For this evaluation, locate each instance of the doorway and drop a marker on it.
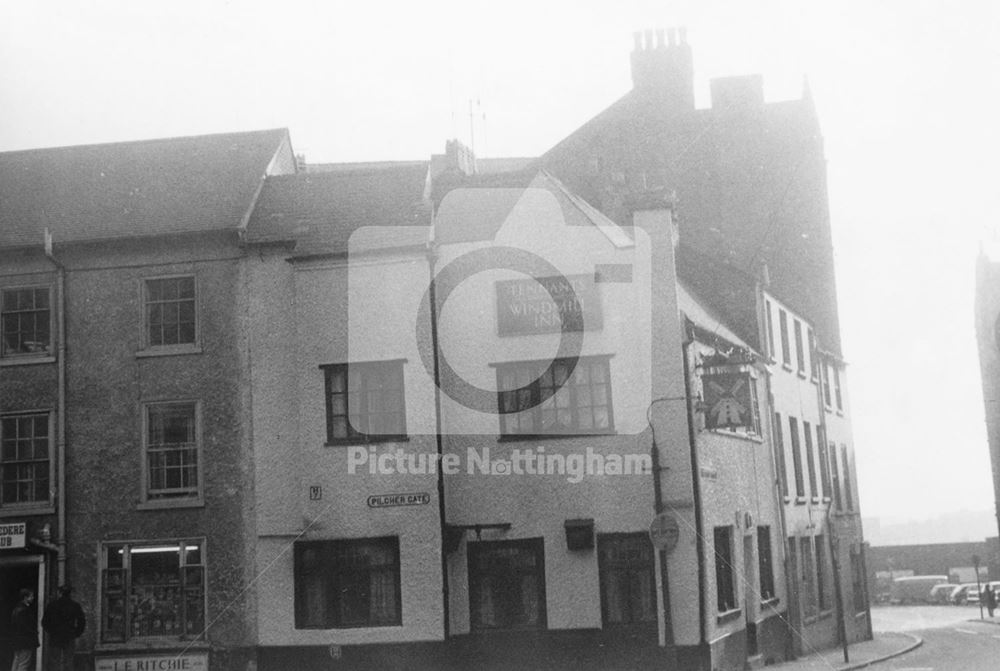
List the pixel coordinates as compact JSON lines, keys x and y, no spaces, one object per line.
{"x":17,"y":573}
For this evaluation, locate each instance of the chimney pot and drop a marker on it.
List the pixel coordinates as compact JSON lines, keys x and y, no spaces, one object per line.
{"x":683,"y":32}
{"x":637,"y":36}
{"x":672,"y":36}
{"x":649,"y":39}
{"x":659,"y":39}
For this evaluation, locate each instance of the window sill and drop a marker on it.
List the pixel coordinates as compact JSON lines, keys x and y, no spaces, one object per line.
{"x":840,"y":413}
{"x":728,"y":616}
{"x":860,"y":615}
{"x":787,"y":366}
{"x":21,"y":509}
{"x":815,"y":499}
{"x":787,"y":498}
{"x":802,"y":374}
{"x":513,"y":438}
{"x":800,"y":500}
{"x":170,"y":350}
{"x":171,"y":504}
{"x":752,"y":437}
{"x":770,"y":603}
{"x":27,"y":360}
{"x":371,"y":441}
{"x":154,"y":643}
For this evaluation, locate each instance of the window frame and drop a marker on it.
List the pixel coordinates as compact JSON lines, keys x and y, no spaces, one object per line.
{"x":604,"y":568}
{"x":769,"y":321}
{"x":179,"y":501}
{"x":539,"y":367}
{"x":47,"y":502}
{"x":838,"y":396}
{"x":800,"y":482}
{"x":800,"y":353}
{"x":822,"y":577}
{"x":50,"y":347}
{"x":475,"y":548}
{"x":355,"y":437}
{"x":807,"y":576}
{"x":765,"y":564}
{"x":181,"y":348}
{"x":725,"y":576}
{"x":786,"y":353}
{"x":779,"y":448}
{"x":810,"y":460}
{"x":847,"y":479}
{"x":104,"y":573}
{"x":335,"y":577}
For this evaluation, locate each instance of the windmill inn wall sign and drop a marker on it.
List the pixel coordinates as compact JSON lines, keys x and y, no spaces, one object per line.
{"x":542,"y":304}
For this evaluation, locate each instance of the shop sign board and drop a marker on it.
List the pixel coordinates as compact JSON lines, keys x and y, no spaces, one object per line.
{"x":187,"y":661}
{"x":12,"y":535}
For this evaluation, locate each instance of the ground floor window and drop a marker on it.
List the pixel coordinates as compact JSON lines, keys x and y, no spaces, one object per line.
{"x":822,"y":579}
{"x":628,"y":594}
{"x":765,"y":563}
{"x":725,"y":584}
{"x":858,"y":582}
{"x":153,"y":589}
{"x":347,"y":583}
{"x":507,"y":584}
{"x":807,"y":579}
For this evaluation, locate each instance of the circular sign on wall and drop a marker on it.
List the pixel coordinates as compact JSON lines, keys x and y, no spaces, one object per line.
{"x":664,"y":532}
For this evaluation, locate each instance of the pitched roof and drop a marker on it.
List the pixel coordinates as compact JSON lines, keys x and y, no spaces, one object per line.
{"x":150,"y":187}
{"x":750,"y":183}
{"x":320,"y":211}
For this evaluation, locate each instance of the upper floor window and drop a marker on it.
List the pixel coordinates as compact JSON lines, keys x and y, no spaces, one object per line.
{"x":25,"y":458}
{"x":836,"y":388}
{"x":793,"y":429}
{"x":800,"y":352}
{"x":153,"y":589}
{"x":813,"y":358}
{"x":826,"y":384}
{"x":786,"y":350}
{"x":365,"y":402}
{"x":810,"y":458}
{"x":848,"y":486}
{"x":770,"y":329}
{"x":170,"y":311}
{"x":347,"y":583}
{"x":779,"y":448}
{"x":541,"y":399}
{"x":25,"y":321}
{"x":172,"y":451}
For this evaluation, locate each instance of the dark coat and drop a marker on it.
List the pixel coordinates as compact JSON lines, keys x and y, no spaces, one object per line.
{"x":23,"y":630}
{"x":64,"y":621}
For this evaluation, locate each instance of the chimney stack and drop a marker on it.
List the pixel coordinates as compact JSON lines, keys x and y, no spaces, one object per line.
{"x":664,"y":68}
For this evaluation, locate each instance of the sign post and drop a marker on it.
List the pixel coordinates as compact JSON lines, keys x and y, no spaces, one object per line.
{"x":979,"y":589}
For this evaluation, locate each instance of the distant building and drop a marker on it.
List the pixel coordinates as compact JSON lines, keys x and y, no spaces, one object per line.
{"x":988,"y":338}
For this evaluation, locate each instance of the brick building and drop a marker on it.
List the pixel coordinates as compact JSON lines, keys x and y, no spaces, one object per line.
{"x":123,"y":418}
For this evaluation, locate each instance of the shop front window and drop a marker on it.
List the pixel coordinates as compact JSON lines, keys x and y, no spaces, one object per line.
{"x":153,"y":590}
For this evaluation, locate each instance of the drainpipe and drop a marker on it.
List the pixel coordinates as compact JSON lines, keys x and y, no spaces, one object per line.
{"x":60,"y":412}
{"x":442,"y":520}
{"x":696,"y":487}
{"x":668,"y":626}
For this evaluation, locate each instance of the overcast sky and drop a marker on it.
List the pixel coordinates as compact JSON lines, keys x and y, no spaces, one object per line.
{"x":907,"y":94}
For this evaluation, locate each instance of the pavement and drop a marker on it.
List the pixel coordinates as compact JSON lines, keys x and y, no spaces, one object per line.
{"x":884,"y":645}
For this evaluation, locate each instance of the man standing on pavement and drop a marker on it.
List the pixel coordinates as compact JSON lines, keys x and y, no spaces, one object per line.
{"x":989,"y":598}
{"x":64,"y":622}
{"x":23,"y":631}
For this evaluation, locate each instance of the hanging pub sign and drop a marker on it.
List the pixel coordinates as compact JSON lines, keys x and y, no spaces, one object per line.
{"x":548,"y":305}
{"x":728,"y":400}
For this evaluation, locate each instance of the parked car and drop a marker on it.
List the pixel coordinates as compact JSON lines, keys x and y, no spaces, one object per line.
{"x":942,"y":593}
{"x":915,"y":589}
{"x":965,"y":593}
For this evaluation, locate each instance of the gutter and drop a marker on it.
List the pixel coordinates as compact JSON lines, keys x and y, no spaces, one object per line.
{"x":60,"y":413}
{"x":696,"y":487}
{"x":439,"y":439}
